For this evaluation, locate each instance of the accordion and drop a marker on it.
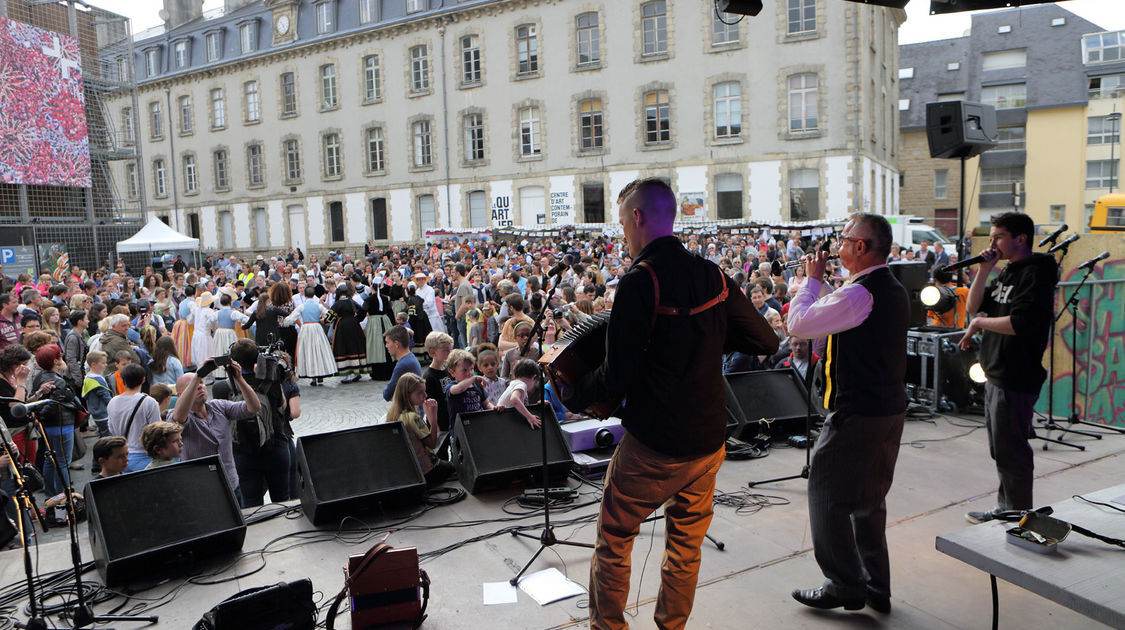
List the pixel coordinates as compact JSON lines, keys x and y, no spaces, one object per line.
{"x":578,"y":352}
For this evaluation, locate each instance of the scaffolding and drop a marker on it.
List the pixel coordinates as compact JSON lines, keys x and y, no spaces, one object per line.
{"x":85,"y":222}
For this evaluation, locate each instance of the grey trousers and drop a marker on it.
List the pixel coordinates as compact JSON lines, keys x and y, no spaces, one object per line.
{"x":853,"y":465}
{"x":1007,"y":415}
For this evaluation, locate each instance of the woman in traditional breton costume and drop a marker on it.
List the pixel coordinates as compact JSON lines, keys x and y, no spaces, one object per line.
{"x":203,"y":321}
{"x":349,"y":344}
{"x":377,"y":305}
{"x":183,"y":329}
{"x":314,"y":359}
{"x":226,"y":321}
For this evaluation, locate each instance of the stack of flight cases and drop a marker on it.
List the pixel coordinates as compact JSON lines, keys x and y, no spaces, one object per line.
{"x":937,"y":370}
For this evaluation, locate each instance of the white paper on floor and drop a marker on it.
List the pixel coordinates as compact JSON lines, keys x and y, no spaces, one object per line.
{"x":550,"y":585}
{"x":499,"y":593}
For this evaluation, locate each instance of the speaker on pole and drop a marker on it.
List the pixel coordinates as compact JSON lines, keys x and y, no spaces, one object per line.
{"x":957,"y":129}
{"x":355,"y":471}
{"x":163,"y":520}
{"x":495,"y":449}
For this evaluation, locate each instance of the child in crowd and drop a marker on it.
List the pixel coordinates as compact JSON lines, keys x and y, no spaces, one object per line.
{"x":409,"y":399}
{"x":438,"y":345}
{"x":404,"y":319}
{"x":466,"y":390}
{"x":162,"y":393}
{"x":488,"y":364}
{"x":476,"y":330}
{"x":523,"y":380}
{"x":120,"y":360}
{"x":164,"y":443}
{"x":111,"y":455}
{"x":95,"y":391}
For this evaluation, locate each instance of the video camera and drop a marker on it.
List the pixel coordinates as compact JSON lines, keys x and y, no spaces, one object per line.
{"x":272,"y":366}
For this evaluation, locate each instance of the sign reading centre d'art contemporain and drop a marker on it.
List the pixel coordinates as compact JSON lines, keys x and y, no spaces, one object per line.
{"x":43,"y":137}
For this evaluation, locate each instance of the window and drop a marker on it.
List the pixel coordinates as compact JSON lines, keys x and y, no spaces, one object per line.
{"x":1106,"y":86}
{"x":254,"y":171}
{"x":336,"y":220}
{"x":253,"y":102}
{"x":1011,"y":138}
{"x":802,"y":16}
{"x":941,"y":183}
{"x":152,"y":61}
{"x":332,"y":155}
{"x":423,"y":144}
{"x":590,"y":130}
{"x":414,"y":6}
{"x":724,"y":30}
{"x":474,"y":137}
{"x":906,"y":73}
{"x":222,"y":173}
{"x":131,"y":181}
{"x":379,"y":231}
{"x":1004,"y":29}
{"x":478,"y":209}
{"x":658,"y":122}
{"x":368,"y":11}
{"x":375,"y":156}
{"x":1058,"y":212}
{"x":589,"y":46}
{"x":122,"y":70}
{"x":654,"y":28}
{"x":593,"y":202}
{"x":214,"y":46}
{"x":470,"y":60}
{"x":261,"y":228}
{"x":950,"y":96}
{"x":372,"y":84}
{"x":292,"y":160}
{"x":427,"y":218}
{"x":419,"y":69}
{"x":288,"y":94}
{"x":728,"y":110}
{"x":248,"y":37}
{"x":529,"y":131}
{"x":191,"y":182}
{"x":185,"y":115}
{"x":527,"y":48}
{"x":1103,"y":129}
{"x":193,"y":224}
{"x":728,"y":194}
{"x":1000,"y":179}
{"x":325,"y":17}
{"x":180,"y":53}
{"x":128,"y":131}
{"x":1059,"y":21}
{"x":1003,"y":59}
{"x":155,"y":119}
{"x":903,"y":104}
{"x":160,"y":186}
{"x":1004,"y":96}
{"x":218,"y":109}
{"x":804,"y":194}
{"x":1101,"y":174}
{"x":1102,"y":47}
{"x":953,"y":66}
{"x":328,"y":86}
{"x":802,"y":102}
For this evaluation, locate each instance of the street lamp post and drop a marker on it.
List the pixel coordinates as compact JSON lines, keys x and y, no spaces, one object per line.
{"x":1113,"y":119}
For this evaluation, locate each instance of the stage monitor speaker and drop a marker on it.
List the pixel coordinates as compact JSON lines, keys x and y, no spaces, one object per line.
{"x":774,"y":401}
{"x":913,"y":277}
{"x":736,"y":417}
{"x":161,"y":521}
{"x":356,"y":471}
{"x":957,"y":129}
{"x":496,"y":449}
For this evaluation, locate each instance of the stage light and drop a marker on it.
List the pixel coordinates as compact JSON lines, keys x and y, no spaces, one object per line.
{"x":976,"y":373}
{"x":739,"y":7}
{"x":938,"y":299}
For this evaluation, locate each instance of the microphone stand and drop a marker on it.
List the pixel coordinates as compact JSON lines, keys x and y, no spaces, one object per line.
{"x":25,"y":507}
{"x":83,"y":613}
{"x":1074,"y":418}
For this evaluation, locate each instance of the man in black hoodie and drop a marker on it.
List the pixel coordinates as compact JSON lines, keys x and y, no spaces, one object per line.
{"x":1013,"y":313}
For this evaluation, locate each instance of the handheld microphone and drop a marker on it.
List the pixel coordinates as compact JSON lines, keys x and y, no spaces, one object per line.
{"x":21,"y":410}
{"x":968,"y":262}
{"x":1089,"y":264}
{"x":1065,"y":244}
{"x":1053,"y":236}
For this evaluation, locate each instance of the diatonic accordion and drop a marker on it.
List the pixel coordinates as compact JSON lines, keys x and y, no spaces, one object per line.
{"x":578,"y":352}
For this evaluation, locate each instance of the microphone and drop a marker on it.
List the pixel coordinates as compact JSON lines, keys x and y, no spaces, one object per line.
{"x":1053,"y":236}
{"x":968,"y":262}
{"x":21,"y":410}
{"x":1065,"y":244}
{"x":1089,"y":264}
{"x":562,"y":266}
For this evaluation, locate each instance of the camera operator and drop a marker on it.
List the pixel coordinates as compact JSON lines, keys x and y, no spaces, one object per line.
{"x":262,"y":452}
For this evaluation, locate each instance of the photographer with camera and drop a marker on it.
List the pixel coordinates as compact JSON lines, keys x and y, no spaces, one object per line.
{"x":209,"y":424}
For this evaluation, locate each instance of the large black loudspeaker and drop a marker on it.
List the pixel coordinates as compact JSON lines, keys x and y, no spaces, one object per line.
{"x":496,"y":449}
{"x":345,"y":473}
{"x":956,"y":129}
{"x":913,"y":277}
{"x":161,"y":521}
{"x":774,"y":401}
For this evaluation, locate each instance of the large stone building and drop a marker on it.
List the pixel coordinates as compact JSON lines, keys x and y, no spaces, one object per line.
{"x":1053,"y":77}
{"x":328,"y":123}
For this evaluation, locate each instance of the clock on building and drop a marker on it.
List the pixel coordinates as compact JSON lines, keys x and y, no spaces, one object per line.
{"x":282,"y":25}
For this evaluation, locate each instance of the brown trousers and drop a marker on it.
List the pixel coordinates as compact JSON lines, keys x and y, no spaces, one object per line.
{"x":639,"y":480}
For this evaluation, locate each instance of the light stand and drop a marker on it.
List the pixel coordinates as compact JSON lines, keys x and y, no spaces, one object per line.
{"x":804,"y":474}
{"x":1073,"y":304}
{"x":25,"y":508}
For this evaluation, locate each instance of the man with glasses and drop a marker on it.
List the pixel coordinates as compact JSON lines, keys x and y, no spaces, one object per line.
{"x":853,"y":461}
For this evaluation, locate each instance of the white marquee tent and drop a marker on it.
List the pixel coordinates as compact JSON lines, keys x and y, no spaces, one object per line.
{"x":157,"y":236}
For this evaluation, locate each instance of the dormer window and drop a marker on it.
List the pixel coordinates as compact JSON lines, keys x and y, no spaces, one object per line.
{"x":181,"y":53}
{"x":214,"y":41}
{"x":248,"y":36}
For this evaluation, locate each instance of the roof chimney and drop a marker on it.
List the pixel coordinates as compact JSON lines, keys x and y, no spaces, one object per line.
{"x":178,"y":12}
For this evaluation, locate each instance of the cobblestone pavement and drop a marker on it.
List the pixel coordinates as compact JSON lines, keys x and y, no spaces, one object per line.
{"x":333,"y":406}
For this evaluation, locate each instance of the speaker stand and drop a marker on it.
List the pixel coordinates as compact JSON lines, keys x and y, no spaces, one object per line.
{"x":804,"y":474}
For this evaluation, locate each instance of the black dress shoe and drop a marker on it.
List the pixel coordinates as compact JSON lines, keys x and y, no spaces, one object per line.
{"x":879,"y":603}
{"x":818,"y":598}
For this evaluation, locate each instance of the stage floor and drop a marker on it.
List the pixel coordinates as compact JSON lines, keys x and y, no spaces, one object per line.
{"x":943,"y":471}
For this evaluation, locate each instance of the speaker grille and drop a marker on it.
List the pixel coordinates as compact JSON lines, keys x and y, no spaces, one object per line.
{"x":353,"y":463}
